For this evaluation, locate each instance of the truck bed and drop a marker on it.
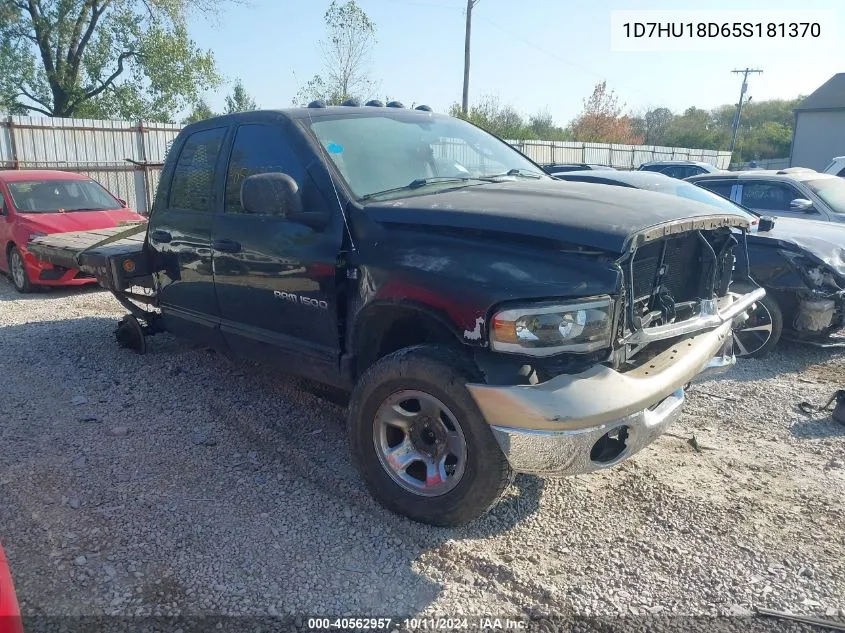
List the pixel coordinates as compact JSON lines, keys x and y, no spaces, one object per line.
{"x":103,"y":253}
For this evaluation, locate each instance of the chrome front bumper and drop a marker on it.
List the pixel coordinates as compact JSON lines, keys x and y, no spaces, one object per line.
{"x":552,"y":428}
{"x":564,"y":453}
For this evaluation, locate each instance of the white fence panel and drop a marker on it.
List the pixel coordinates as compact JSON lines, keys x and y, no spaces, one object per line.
{"x":157,"y":139}
{"x":613,"y":155}
{"x":641,"y":154}
{"x":122,"y":155}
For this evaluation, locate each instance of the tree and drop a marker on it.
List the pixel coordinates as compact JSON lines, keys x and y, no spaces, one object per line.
{"x":653,"y":125}
{"x":506,"y":122}
{"x":351,"y":36}
{"x":699,"y":129}
{"x":239,"y":100}
{"x":491,"y":115}
{"x":200,"y":112}
{"x":542,"y":124}
{"x":102,"y":58}
{"x":602,"y":119}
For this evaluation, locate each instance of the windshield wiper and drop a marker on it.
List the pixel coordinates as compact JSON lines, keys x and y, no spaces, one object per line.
{"x":82,"y":209}
{"x":525,"y":173}
{"x":420,"y":182}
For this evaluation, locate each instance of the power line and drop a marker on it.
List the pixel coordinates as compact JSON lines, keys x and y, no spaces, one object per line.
{"x":558,"y":57}
{"x":471,"y":4}
{"x":465,"y":98}
{"x":738,"y":115}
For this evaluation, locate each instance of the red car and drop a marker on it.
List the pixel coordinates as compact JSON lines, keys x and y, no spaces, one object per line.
{"x":38,"y":202}
{"x":10,"y":616}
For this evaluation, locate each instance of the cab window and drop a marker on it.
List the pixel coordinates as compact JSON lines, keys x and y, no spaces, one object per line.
{"x":193,"y":177}
{"x":258,"y":149}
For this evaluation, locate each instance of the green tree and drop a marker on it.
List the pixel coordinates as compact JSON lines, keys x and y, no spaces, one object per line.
{"x":502,"y":120}
{"x":770,"y":139}
{"x":766,"y":130}
{"x":699,"y":129}
{"x":200,"y":112}
{"x":124,"y":59}
{"x":347,"y":50}
{"x":239,"y":100}
{"x":653,"y":126}
{"x":506,"y":122}
{"x":543,"y":126}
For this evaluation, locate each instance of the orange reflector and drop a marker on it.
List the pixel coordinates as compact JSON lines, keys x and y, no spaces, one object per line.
{"x":504,"y":331}
{"x":128,"y":265}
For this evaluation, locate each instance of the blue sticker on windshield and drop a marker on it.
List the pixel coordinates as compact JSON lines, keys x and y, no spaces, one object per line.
{"x":334,"y":148}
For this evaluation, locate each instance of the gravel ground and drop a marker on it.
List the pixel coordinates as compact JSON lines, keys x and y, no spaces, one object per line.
{"x":182,"y":483}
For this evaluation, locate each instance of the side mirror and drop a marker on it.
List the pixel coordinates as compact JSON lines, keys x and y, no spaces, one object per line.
{"x":271,"y":194}
{"x":766,"y":224}
{"x":802,"y":205}
{"x":123,"y":203}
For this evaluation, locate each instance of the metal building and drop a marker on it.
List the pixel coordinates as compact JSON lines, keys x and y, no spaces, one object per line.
{"x":819,"y":132}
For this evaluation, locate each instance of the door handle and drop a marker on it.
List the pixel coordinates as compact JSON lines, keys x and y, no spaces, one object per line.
{"x":161,"y":236}
{"x":226,"y":246}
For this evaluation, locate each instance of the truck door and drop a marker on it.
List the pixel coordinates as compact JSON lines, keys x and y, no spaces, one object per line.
{"x":275,"y":277}
{"x":179,"y":236}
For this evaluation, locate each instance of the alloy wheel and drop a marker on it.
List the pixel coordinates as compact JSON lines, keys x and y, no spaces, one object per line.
{"x":17,"y":269}
{"x":419,"y":443}
{"x":755,"y":332}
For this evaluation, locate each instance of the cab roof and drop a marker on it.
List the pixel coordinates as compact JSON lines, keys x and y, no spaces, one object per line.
{"x":307,"y":114}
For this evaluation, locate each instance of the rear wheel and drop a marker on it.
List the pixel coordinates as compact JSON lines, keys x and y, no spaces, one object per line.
{"x":420,"y":442}
{"x":17,"y":271}
{"x":760,"y":333}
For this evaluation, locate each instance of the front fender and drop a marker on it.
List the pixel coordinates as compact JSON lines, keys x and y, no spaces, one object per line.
{"x":460,"y":280}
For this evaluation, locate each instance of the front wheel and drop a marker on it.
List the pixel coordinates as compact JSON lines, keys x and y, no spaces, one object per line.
{"x":420,"y":442}
{"x":759,"y":334}
{"x":17,"y":271}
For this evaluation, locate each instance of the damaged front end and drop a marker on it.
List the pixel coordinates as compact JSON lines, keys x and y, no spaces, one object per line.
{"x":672,"y":325}
{"x":815,"y":311}
{"x":677,"y":284}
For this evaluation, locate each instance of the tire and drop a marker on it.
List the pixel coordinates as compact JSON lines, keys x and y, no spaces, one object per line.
{"x":476,"y":475}
{"x":761,"y":332}
{"x":17,"y":271}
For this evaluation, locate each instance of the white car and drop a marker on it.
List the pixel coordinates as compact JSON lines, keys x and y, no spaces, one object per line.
{"x":836,"y":167}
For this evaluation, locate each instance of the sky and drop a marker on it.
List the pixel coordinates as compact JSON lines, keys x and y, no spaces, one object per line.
{"x":536,"y":55}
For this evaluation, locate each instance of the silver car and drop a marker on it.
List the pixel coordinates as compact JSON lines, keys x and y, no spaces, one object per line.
{"x":793,"y":192}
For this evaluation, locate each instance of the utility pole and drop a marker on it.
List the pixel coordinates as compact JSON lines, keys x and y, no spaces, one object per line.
{"x":465,"y":101}
{"x":739,"y":106}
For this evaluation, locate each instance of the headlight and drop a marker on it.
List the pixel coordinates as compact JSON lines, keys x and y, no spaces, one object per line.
{"x":545,"y":329}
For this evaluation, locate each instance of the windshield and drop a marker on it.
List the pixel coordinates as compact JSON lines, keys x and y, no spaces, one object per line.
{"x":401,"y":155}
{"x":51,"y":196}
{"x":831,"y":190}
{"x":692,"y":192}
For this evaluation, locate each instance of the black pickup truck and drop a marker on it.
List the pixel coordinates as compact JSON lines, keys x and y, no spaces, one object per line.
{"x":486,"y":318}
